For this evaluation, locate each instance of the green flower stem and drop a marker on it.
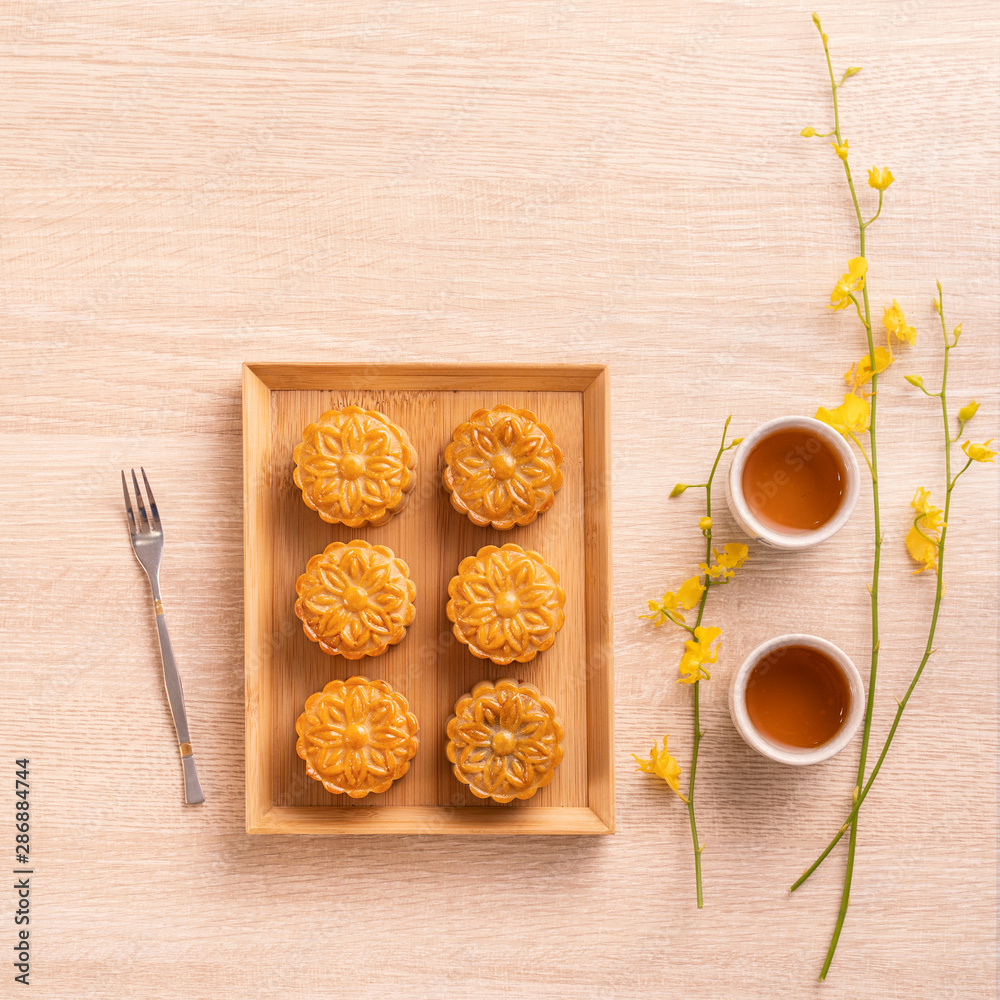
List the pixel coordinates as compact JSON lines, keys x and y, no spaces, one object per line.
{"x":864,"y":454}
{"x":878,"y":213}
{"x":960,"y":471}
{"x":857,"y":306}
{"x":697,"y":718}
{"x":920,"y":531}
{"x":691,"y":630}
{"x":690,"y":800}
{"x":873,"y":589}
{"x":939,"y":591}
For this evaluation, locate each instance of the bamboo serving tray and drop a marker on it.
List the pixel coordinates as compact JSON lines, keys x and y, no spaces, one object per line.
{"x":430,"y":667}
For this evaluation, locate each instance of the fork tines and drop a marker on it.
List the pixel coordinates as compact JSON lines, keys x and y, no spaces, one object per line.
{"x":146,"y":523}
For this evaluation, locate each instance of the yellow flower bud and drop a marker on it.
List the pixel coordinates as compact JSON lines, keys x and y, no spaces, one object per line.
{"x":678,"y":489}
{"x":880,"y":178}
{"x":968,"y":412}
{"x":808,"y":131}
{"x":840,"y":150}
{"x":917,"y":380}
{"x":705,"y":523}
{"x":957,"y":332}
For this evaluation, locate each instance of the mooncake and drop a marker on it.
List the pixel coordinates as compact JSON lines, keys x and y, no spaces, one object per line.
{"x":355,"y":599}
{"x":506,"y":604}
{"x":356,"y":736}
{"x":504,"y":740}
{"x":502,"y":467}
{"x":355,"y":467}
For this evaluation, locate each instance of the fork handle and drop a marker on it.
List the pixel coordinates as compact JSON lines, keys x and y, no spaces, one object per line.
{"x":192,"y":786}
{"x":175,"y":696}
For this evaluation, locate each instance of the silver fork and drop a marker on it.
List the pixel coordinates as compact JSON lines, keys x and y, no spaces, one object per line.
{"x":147,"y":544}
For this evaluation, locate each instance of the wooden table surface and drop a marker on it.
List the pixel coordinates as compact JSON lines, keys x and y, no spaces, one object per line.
{"x":189,"y":185}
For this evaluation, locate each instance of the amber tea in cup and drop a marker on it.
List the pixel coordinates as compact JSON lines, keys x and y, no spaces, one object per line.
{"x":793,"y":481}
{"x":797,"y":699}
{"x":798,"y":696}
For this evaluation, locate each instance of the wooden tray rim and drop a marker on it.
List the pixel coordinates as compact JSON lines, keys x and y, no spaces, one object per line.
{"x":262,"y":815}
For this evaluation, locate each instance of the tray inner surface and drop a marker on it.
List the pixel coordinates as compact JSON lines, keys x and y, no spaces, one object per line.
{"x":430,"y":667}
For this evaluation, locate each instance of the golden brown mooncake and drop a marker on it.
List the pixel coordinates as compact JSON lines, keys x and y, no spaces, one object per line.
{"x":506,"y":604}
{"x":502,"y":467}
{"x":355,"y":467}
{"x":504,"y":740}
{"x":356,"y":736}
{"x":355,"y":599}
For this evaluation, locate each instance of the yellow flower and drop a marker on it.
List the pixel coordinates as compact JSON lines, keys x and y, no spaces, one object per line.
{"x":861,"y":373}
{"x":840,"y":150}
{"x":979,"y":452}
{"x":664,"y":765}
{"x":922,"y":540}
{"x":690,"y":593}
{"x":921,"y":500}
{"x":852,"y":281}
{"x":968,"y":412}
{"x":922,"y":550}
{"x":697,"y":653}
{"x":671,"y":606}
{"x":932,"y":515}
{"x":895,"y":322}
{"x":880,"y":178}
{"x":852,"y":417}
{"x":724,"y":567}
{"x":705,"y":523}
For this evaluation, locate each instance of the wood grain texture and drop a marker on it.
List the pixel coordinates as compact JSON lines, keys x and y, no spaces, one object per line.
{"x":188,"y":186}
{"x":430,"y":667}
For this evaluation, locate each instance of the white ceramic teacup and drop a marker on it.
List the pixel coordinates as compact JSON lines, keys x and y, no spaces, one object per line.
{"x":792,"y":539}
{"x":780,"y":751}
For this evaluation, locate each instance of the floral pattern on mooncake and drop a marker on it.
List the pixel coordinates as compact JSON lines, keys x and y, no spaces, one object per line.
{"x":355,"y":467}
{"x":356,"y":736}
{"x":355,"y":599}
{"x":504,"y":740}
{"x":502,"y":467}
{"x":506,"y":604}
